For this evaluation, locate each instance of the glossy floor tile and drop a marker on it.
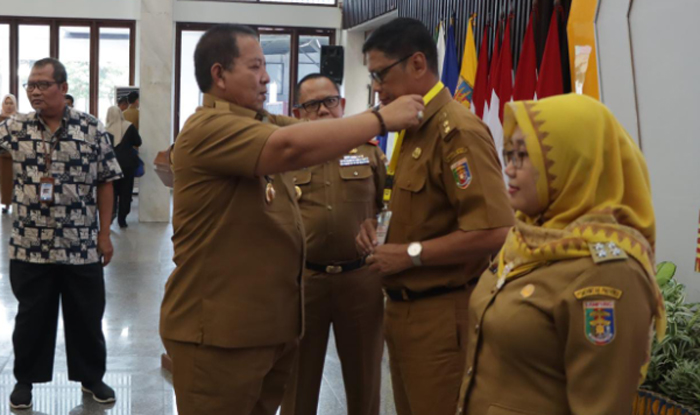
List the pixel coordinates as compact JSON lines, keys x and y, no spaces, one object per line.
{"x":134,"y":284}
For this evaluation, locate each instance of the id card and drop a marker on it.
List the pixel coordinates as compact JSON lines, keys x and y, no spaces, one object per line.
{"x":46,"y":188}
{"x":383,"y":220}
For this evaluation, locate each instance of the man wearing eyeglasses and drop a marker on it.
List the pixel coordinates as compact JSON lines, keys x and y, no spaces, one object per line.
{"x":334,"y":199}
{"x":64,"y":165}
{"x":450,"y":213}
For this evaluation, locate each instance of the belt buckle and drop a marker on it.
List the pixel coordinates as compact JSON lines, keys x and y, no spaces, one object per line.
{"x":334,"y":269}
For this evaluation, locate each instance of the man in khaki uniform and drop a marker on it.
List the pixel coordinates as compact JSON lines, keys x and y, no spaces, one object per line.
{"x":450,"y":214}
{"x":334,"y":199}
{"x":132,"y":113}
{"x":231,"y":315}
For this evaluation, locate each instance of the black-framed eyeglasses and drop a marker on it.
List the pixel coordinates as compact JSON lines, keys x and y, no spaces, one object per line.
{"x":514,"y":156}
{"x":378,"y":76}
{"x":315,"y":104}
{"x":42,"y":85}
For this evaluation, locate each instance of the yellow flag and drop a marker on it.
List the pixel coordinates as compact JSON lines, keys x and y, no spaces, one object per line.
{"x":467,"y":75}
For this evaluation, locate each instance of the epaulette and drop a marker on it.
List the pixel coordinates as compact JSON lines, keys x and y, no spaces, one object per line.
{"x":606,"y":251}
{"x":445,"y":127}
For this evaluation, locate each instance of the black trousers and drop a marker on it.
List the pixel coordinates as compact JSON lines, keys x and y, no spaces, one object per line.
{"x":123,"y":192}
{"x":81,"y":290}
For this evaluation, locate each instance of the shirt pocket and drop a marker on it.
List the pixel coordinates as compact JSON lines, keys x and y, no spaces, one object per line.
{"x":406,"y":203}
{"x":497,"y":409}
{"x":357,"y":183}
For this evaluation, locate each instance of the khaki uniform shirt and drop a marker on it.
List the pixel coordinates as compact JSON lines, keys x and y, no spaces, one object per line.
{"x":238,"y":258}
{"x":569,"y":338}
{"x":336,"y":199}
{"x":448,"y":178}
{"x":132,"y":115}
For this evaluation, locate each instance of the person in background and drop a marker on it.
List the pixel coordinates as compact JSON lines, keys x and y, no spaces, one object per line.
{"x":126,"y":142}
{"x":450,"y":214}
{"x":123,"y":103}
{"x":132,"y":113}
{"x":9,"y":109}
{"x":69,"y":100}
{"x":65,"y":165}
{"x":562,"y":318}
{"x":335,"y":198}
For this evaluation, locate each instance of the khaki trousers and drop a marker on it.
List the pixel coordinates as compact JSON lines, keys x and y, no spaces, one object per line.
{"x":213,"y":380}
{"x":426,"y":340}
{"x":353,"y":303}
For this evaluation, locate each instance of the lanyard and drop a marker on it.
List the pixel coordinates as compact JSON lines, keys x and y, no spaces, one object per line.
{"x":391,"y":171}
{"x":48,"y":152}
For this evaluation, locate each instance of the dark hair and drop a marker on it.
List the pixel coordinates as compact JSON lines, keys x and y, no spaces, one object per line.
{"x":297,"y":91}
{"x":403,"y":37}
{"x":218,"y":45}
{"x":70,"y":97}
{"x":133,"y":97}
{"x":122,"y":99}
{"x":59,"y":71}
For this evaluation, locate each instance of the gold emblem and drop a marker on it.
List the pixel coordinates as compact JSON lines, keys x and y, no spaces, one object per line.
{"x":527,"y":291}
{"x":297,"y":189}
{"x":353,"y":151}
{"x":417,"y":152}
{"x":269,"y":193}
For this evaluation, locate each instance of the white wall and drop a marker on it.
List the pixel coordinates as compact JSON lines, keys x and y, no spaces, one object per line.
{"x":614,"y":54}
{"x":82,"y":9}
{"x":665,"y":39}
{"x":257,"y":14}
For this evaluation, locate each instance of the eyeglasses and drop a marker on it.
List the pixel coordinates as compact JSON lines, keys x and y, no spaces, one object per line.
{"x":42,"y":85}
{"x":378,"y":76}
{"x":314,"y":105}
{"x":515,"y":157}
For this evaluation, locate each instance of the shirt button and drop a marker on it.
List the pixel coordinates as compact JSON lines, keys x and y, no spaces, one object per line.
{"x":470,"y":371}
{"x":356,"y":174}
{"x":329,"y":207}
{"x":476,"y":329}
{"x":328,"y":183}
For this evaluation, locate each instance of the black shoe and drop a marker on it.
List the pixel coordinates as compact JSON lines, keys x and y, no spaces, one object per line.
{"x":123,"y":224}
{"x":21,"y":397}
{"x":100,"y":392}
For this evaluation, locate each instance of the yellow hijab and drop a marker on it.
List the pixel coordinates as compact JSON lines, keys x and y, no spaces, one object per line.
{"x":593,"y":180}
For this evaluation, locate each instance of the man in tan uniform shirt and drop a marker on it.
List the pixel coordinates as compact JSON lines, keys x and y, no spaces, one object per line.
{"x":450,"y":213}
{"x":334,"y":199}
{"x":231,"y":315}
{"x":132,"y":113}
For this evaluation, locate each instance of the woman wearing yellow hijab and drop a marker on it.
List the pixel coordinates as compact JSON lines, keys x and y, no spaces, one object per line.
{"x":563,"y":319}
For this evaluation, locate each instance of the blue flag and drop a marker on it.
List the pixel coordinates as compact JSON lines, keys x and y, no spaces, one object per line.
{"x":450,"y":69}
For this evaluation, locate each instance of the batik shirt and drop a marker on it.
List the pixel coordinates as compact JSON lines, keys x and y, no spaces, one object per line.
{"x":65,"y":231}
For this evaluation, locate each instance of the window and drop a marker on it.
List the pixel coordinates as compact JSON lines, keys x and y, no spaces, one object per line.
{"x":310,"y":54}
{"x":4,"y":60}
{"x":98,"y":55}
{"x":277,"y":50}
{"x":190,"y":96}
{"x":74,"y":53}
{"x":114,"y":66}
{"x":34,"y":44}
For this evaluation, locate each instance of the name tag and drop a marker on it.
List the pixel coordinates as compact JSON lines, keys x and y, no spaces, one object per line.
{"x":46,"y":187}
{"x":354,"y":160}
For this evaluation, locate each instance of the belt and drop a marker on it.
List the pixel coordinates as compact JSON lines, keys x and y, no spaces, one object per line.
{"x":405,"y":295}
{"x":336,"y":268}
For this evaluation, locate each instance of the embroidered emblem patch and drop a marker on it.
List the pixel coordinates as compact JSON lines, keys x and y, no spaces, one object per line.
{"x":599,"y":324}
{"x":461,"y":173}
{"x":595,"y":291}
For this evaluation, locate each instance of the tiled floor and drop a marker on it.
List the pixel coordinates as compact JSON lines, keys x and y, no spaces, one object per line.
{"x":134,"y":281}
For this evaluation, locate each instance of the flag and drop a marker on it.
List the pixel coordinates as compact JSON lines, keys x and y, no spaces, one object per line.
{"x":494,"y":70}
{"x":550,"y":80}
{"x":482,"y":76}
{"x":526,"y":76}
{"x":492,"y":115}
{"x":505,"y":78}
{"x":450,"y":69}
{"x":467,"y":75}
{"x":441,"y":47}
{"x":563,"y":48}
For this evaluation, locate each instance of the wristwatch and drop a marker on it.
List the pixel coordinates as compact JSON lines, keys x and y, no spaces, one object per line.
{"x":414,"y":251}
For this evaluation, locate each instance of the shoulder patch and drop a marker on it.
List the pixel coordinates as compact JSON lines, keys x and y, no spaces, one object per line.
{"x":606,"y":252}
{"x":461,"y":173}
{"x":599,"y":321}
{"x":598,"y":291}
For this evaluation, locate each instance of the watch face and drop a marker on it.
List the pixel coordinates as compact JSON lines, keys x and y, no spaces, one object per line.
{"x":414,"y":249}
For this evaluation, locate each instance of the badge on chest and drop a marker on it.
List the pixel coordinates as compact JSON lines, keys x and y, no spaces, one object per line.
{"x":354,"y":160}
{"x":46,"y":190}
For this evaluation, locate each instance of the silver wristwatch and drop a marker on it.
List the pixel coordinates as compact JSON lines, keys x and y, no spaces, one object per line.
{"x":414,"y":251}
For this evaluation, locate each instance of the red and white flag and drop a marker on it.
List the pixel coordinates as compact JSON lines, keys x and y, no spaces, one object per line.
{"x":550,"y":80}
{"x":526,"y":76}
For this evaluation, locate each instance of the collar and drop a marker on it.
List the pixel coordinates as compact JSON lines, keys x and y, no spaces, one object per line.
{"x":439,"y":98}
{"x":210,"y":101}
{"x":64,"y":120}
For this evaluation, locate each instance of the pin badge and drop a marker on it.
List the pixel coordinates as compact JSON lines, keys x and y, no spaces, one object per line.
{"x":297,"y":189}
{"x":269,"y":193}
{"x":417,"y":153}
